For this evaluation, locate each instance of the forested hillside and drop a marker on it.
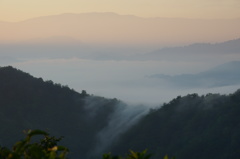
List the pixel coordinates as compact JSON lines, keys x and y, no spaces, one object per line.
{"x":31,"y":103}
{"x":192,"y":126}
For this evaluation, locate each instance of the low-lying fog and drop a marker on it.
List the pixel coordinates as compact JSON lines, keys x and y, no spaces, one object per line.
{"x":125,"y":80}
{"x":137,"y":79}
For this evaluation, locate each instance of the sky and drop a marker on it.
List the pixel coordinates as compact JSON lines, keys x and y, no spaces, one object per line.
{"x":17,"y":10}
{"x":98,"y":59}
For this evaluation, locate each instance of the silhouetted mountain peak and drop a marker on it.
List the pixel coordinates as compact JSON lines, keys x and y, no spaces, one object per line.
{"x":13,"y":73}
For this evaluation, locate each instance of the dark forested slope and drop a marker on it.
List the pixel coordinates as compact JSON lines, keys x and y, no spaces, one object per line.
{"x":31,"y":103}
{"x":192,"y":126}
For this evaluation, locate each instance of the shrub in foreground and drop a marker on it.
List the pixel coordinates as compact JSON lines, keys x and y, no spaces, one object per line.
{"x":47,"y":148}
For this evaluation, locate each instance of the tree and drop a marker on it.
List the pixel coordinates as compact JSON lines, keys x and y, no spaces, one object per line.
{"x":45,"y":148}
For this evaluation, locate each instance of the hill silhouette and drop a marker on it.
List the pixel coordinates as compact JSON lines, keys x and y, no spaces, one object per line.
{"x":31,"y":103}
{"x":191,"y":126}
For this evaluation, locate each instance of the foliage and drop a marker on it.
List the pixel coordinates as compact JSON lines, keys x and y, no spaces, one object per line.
{"x":130,"y":155}
{"x":133,"y":155}
{"x":46,"y":148}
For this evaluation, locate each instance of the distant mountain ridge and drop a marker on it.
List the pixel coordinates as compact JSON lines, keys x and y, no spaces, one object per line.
{"x":67,"y":47}
{"x":223,"y":75}
{"x":231,"y":46}
{"x":111,"y":28}
{"x":196,"y":51}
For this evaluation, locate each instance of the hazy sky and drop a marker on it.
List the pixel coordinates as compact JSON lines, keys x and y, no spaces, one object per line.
{"x":126,"y":80}
{"x":16,"y":10}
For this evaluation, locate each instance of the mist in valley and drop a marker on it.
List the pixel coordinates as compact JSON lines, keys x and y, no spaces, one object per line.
{"x":150,"y":77}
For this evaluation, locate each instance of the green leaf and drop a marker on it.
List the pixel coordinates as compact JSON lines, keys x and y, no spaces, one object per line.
{"x":165,"y":157}
{"x":36,"y":132}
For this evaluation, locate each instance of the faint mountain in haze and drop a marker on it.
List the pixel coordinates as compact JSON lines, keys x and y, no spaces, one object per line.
{"x":111,"y":28}
{"x":68,"y":47}
{"x":232,"y":46}
{"x":224,"y":75}
{"x":196,"y":51}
